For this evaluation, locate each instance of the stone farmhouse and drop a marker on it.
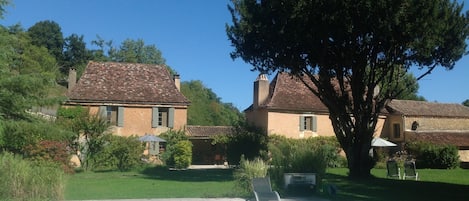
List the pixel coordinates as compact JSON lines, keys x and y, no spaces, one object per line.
{"x":136,"y":98}
{"x":438,"y":123}
{"x":139,"y":99}
{"x":287,"y":107}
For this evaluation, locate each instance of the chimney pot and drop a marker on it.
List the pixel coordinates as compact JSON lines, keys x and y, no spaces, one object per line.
{"x":177,"y":81}
{"x":72,"y":78}
{"x":261,"y":90}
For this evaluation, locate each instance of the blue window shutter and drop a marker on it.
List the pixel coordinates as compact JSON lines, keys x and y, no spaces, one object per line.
{"x":120,"y":116}
{"x":102,"y":112}
{"x":314,"y":124}
{"x":302,"y":123}
{"x":154,"y":117}
{"x":171,"y":117}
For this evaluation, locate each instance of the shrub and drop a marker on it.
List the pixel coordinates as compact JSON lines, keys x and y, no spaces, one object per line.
{"x":182,"y":154}
{"x":428,"y":155}
{"x":26,"y":180}
{"x":19,"y":134}
{"x":52,"y":151}
{"x":172,"y":138}
{"x":312,"y":155}
{"x":123,"y":153}
{"x":247,"y":171}
{"x":248,"y":141}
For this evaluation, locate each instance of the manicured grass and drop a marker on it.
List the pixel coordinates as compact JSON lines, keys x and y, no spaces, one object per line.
{"x":161,"y":183}
{"x":151,"y":183}
{"x":432,"y":185}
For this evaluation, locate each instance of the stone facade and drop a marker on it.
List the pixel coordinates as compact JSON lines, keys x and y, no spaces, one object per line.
{"x":139,"y":94}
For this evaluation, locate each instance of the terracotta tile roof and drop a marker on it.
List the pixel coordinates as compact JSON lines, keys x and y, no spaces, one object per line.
{"x":289,"y":93}
{"x":208,"y":131}
{"x":459,"y":139}
{"x":111,"y":82}
{"x":429,"y":109}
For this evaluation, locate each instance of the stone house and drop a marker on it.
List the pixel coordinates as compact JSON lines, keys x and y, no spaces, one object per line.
{"x":439,"y":123}
{"x":287,"y":107}
{"x":135,"y":98}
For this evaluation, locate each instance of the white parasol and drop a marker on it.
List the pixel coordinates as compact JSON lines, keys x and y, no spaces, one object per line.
{"x":380,"y":142}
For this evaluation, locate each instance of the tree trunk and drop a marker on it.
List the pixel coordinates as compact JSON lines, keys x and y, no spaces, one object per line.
{"x":355,"y":139}
{"x":359,"y":160}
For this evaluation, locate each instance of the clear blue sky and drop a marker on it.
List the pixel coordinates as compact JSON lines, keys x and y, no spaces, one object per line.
{"x":192,"y":38}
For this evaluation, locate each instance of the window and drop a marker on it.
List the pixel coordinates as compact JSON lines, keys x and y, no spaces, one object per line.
{"x":113,"y":114}
{"x":396,"y":130}
{"x":162,"y":117}
{"x":308,"y":123}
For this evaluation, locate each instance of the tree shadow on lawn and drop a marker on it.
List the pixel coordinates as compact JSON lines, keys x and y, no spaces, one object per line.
{"x":191,"y":175}
{"x":392,"y":189}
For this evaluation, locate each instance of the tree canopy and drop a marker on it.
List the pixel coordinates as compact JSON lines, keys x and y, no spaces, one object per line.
{"x":348,"y":50}
{"x":48,"y":34}
{"x":206,"y":109}
{"x":466,"y":103}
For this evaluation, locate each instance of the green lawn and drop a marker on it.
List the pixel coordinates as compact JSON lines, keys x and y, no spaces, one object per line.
{"x":432,"y":185}
{"x":161,"y":183}
{"x":151,"y":183}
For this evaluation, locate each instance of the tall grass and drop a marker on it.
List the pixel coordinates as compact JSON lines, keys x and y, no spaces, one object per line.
{"x":247,"y":171}
{"x":25,"y":180}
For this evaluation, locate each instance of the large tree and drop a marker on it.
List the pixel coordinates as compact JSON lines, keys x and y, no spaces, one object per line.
{"x":27,"y":75}
{"x":348,"y":50}
{"x":135,"y":51}
{"x":75,"y":53}
{"x":206,"y":108}
{"x":3,"y":4}
{"x":48,"y":34}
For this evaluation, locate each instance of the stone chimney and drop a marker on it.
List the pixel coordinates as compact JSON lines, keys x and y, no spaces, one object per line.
{"x":261,"y":90}
{"x":177,"y":81}
{"x":72,"y":78}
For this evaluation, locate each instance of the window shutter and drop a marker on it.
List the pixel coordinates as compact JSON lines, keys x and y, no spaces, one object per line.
{"x":171,"y":117}
{"x":314,"y":124}
{"x":302,"y":123}
{"x":120,"y":116}
{"x":102,"y":112}
{"x":154,"y":117}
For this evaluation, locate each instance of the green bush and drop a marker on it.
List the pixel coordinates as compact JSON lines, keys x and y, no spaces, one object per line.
{"x":182,"y":154}
{"x":428,"y":155}
{"x":312,"y":155}
{"x":51,"y":151}
{"x":19,"y":134}
{"x":123,"y":153}
{"x":172,"y":138}
{"x":247,"y":171}
{"x":247,"y":140}
{"x":26,"y":180}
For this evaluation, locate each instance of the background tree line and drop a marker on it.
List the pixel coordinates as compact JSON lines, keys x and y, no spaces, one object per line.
{"x":42,"y":48}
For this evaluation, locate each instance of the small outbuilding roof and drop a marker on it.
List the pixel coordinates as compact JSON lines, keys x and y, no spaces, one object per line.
{"x":208,"y":131}
{"x":459,"y":139}
{"x":428,"y":109}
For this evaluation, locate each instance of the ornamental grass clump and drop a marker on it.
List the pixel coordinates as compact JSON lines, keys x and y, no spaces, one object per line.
{"x":247,"y":171}
{"x":26,"y":180}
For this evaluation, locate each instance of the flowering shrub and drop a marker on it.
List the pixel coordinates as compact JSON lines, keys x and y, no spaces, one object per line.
{"x":50,"y":151}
